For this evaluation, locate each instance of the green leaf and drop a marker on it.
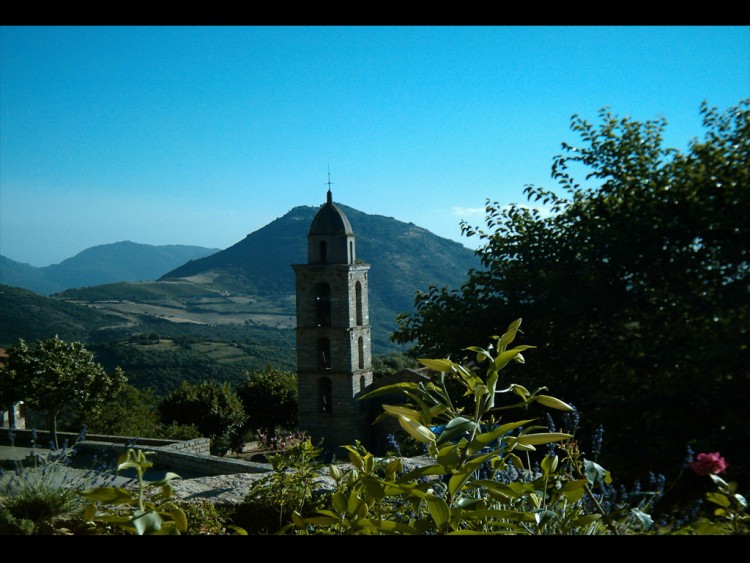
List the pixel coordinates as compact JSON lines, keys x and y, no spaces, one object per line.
{"x":417,"y":431}
{"x":374,"y":489}
{"x":397,"y":410}
{"x":509,"y":335}
{"x":385,"y":526}
{"x":549,"y":464}
{"x":574,"y":485}
{"x":320,"y":521}
{"x":458,"y":478}
{"x":438,"y":510}
{"x":482,"y":354}
{"x":437,"y":365}
{"x":473,"y":504}
{"x":586,"y":520}
{"x":147,"y":522}
{"x":542,"y":438}
{"x":425,"y":470}
{"x":354,"y":458}
{"x":487,"y":438}
{"x":455,"y":428}
{"x":504,"y":359}
{"x":107,"y":495}
{"x":553,"y":403}
{"x":740,"y":500}
{"x":180,"y":519}
{"x":543,"y":516}
{"x":340,"y":502}
{"x":644,"y":519}
{"x":719,"y":498}
{"x":595,"y":473}
{"x":389,"y":389}
{"x":448,"y":456}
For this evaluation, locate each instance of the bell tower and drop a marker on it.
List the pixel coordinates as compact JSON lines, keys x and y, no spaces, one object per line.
{"x":334,"y":362}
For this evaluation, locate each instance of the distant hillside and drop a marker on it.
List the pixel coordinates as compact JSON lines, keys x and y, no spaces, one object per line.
{"x":231,"y":310}
{"x":403,"y":258}
{"x":25,"y":314}
{"x":108,"y":263}
{"x":154,"y":352}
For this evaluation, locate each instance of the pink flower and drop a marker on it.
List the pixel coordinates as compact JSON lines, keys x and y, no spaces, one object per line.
{"x":709,"y":463}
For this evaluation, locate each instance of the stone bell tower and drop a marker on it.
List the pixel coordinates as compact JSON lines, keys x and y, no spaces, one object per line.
{"x":334,"y":364}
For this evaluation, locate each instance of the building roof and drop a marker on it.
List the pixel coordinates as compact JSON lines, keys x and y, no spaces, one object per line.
{"x":330,"y":220}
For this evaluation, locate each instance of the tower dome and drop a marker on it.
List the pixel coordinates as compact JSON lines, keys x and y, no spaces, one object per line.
{"x":330,"y":239}
{"x":330,"y":220}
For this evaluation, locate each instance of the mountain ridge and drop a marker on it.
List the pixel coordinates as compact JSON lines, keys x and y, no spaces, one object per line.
{"x":105,"y":263}
{"x":233,"y":309}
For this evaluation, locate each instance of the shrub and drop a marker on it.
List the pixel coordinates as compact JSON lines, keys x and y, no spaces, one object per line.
{"x":44,"y":488}
{"x":290,"y":488}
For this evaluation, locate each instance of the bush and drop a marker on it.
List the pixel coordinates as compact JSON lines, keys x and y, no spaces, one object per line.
{"x":43,"y":489}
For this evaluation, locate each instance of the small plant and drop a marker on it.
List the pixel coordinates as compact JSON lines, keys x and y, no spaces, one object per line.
{"x":728,"y":514}
{"x":44,"y":487}
{"x":271,"y":500}
{"x":137,"y":512}
{"x":206,"y":519}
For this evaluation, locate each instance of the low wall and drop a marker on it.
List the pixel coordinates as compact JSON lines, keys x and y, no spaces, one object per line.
{"x":189,"y":457}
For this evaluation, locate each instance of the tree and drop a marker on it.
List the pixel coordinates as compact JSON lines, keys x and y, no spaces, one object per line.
{"x":10,"y":393}
{"x":215,"y":408}
{"x":55,"y":374}
{"x":134,"y":412}
{"x":270,"y":398}
{"x":644,"y":265}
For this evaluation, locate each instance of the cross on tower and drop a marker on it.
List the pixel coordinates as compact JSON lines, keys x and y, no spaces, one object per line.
{"x":329,"y":179}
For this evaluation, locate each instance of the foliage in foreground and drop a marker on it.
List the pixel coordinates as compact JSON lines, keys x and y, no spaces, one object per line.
{"x":43,"y":489}
{"x":633,"y":274}
{"x":136,"y":512}
{"x":485,"y":474}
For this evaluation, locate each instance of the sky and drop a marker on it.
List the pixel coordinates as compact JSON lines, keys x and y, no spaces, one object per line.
{"x":201,"y":135}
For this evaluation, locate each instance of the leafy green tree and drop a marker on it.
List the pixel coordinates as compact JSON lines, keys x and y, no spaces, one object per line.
{"x":213,"y":407}
{"x":10,"y":392}
{"x":634,"y":282}
{"x":134,"y":412}
{"x":54,"y":374}
{"x":270,"y":398}
{"x":392,"y":363}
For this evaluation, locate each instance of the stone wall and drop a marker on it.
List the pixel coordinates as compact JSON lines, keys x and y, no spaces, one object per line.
{"x":190,"y":457}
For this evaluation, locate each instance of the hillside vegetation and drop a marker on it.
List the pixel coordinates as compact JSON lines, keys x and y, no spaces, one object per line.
{"x":232,"y":310}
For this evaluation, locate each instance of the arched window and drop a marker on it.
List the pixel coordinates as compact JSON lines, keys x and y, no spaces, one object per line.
{"x":324,"y":353}
{"x":325,"y":394}
{"x":361,"y":383}
{"x":361,"y":351}
{"x":351,"y":252}
{"x":358,"y":291}
{"x":322,"y":304}
{"x":323,"y":247}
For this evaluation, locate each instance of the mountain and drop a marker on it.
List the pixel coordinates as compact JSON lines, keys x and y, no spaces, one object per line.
{"x":121,"y":261}
{"x":28,"y":315}
{"x":232,"y":310}
{"x":154,"y":352}
{"x":403,"y":258}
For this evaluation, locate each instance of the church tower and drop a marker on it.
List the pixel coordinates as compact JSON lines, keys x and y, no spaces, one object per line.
{"x":334,"y":363}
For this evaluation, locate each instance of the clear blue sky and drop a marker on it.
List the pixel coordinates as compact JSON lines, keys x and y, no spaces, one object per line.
{"x":202,"y":135}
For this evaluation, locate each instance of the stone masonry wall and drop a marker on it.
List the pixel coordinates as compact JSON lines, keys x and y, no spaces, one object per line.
{"x":191,"y":457}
